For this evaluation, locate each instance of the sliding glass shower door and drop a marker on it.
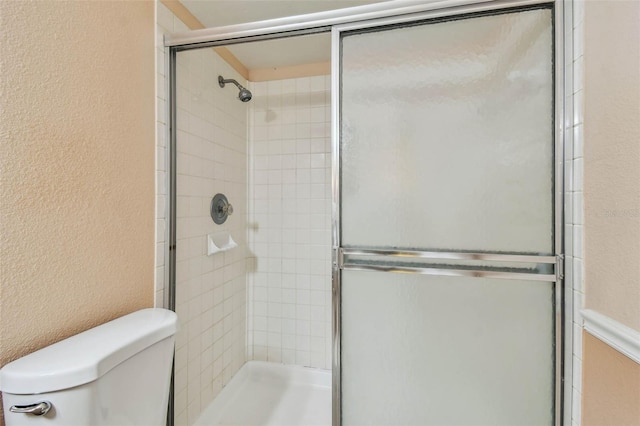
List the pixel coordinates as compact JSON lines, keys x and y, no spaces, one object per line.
{"x":446,"y":262}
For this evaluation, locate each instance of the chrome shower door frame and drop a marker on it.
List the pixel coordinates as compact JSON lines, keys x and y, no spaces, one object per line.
{"x":562,"y":299}
{"x":399,"y":11}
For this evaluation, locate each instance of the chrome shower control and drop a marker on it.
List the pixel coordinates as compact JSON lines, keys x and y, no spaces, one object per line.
{"x":38,"y":409}
{"x":220,"y":209}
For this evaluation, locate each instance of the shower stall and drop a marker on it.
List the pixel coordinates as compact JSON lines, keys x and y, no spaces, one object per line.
{"x":396,"y":225}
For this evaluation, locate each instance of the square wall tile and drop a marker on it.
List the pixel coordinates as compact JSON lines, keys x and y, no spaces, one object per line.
{"x":288,"y":170}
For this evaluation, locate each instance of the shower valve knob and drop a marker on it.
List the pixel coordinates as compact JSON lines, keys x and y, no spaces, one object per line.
{"x":221,"y":208}
{"x":227,"y":209}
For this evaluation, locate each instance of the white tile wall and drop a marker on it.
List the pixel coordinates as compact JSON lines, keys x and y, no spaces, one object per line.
{"x":290,"y":222}
{"x":211,"y":158}
{"x":575,"y":208}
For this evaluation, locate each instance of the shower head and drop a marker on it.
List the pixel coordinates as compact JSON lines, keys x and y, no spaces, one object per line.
{"x":244,"y":95}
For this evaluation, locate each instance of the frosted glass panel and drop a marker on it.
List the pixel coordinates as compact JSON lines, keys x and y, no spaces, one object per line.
{"x":425,"y":350}
{"x":447,"y":135}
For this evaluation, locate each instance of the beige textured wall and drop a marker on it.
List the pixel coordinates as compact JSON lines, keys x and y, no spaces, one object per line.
{"x":612,"y":159}
{"x":612,"y":381}
{"x":76,"y":167}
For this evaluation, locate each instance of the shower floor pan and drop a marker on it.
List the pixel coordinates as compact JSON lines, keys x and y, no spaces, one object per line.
{"x":269,"y":394}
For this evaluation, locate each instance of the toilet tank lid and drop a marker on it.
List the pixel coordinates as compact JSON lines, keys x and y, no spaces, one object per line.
{"x":87,"y":356}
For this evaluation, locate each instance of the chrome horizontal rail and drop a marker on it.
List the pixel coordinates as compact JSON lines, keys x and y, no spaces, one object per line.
{"x":304,"y":23}
{"x":497,"y":257}
{"x":451,"y":272}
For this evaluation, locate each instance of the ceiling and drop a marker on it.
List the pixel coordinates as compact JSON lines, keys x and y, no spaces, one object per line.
{"x":274,"y":53}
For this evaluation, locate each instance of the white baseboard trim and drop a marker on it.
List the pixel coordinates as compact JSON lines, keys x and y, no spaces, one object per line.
{"x":620,"y":337}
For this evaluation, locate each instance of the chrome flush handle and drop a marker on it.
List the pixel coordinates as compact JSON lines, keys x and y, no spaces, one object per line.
{"x":38,"y":409}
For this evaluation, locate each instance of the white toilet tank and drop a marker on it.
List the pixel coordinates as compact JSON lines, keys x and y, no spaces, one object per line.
{"x":115,"y":374}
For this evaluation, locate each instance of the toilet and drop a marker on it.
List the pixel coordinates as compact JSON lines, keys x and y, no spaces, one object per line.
{"x":118,"y":373}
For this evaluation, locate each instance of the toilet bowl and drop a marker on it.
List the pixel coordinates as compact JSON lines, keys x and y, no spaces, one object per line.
{"x":118,"y":373}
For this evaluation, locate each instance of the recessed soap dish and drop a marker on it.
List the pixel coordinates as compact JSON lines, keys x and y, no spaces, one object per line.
{"x":219,"y":243}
